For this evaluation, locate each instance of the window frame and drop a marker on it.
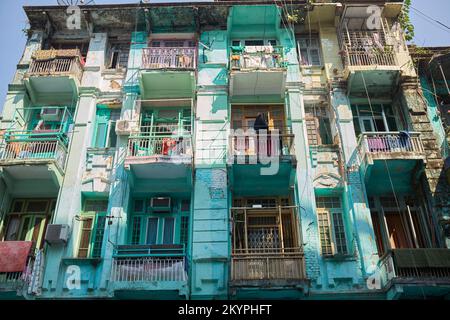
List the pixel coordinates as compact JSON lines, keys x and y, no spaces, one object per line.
{"x":177,"y":214}
{"x":316,"y":117}
{"x":330,"y":212}
{"x":94,"y":215}
{"x":308,"y":49}
{"x":373,"y":118}
{"x":119,"y":47}
{"x":104,"y":115}
{"x":265,"y":41}
{"x":27,"y":230}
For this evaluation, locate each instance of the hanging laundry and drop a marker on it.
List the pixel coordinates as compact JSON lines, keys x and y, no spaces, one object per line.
{"x":377,"y":41}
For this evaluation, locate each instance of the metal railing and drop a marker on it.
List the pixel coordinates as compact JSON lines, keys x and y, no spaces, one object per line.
{"x":34,"y":147}
{"x":169,"y":58}
{"x":415,"y":264}
{"x":390,"y":142}
{"x":170,"y":146}
{"x":367,"y":48}
{"x":54,"y":65}
{"x":257,"y":58}
{"x":164,"y":129}
{"x":269,"y":143}
{"x":263,"y":265}
{"x":149,"y":263}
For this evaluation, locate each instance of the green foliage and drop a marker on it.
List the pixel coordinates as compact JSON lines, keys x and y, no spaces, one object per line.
{"x":405,"y":21}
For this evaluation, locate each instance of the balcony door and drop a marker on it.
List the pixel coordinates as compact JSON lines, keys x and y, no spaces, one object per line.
{"x":28,"y":219}
{"x":244,"y":117}
{"x":396,"y":230}
{"x":263,"y":225}
{"x":374,"y":118}
{"x":399,"y":223}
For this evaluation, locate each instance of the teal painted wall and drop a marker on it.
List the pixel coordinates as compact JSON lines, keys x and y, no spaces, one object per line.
{"x":209,"y":250}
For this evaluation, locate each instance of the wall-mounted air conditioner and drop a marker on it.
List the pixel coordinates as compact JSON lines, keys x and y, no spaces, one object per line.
{"x":123,"y":127}
{"x":51,"y":114}
{"x":57,"y":234}
{"x":160,"y":205}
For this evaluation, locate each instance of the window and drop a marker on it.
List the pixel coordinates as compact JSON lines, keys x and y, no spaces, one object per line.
{"x":266,"y":225}
{"x":160,"y":228}
{"x":373,"y":118}
{"x":136,"y":230}
{"x":254,"y":42}
{"x":92,"y":228}
{"x":118,"y":55}
{"x":166,"y":121}
{"x":331,"y":226}
{"x":152,"y":230}
{"x":184,"y":233}
{"x":318,"y":125}
{"x":402,"y":221}
{"x":105,"y":128}
{"x":176,"y":43}
{"x":27,"y":220}
{"x":169,"y":224}
{"x":309,"y":50}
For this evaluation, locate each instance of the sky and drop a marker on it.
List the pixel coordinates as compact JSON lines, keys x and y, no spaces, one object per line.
{"x":13,"y":21}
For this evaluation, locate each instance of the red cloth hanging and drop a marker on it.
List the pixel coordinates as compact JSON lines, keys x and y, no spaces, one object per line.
{"x":14,"y":255}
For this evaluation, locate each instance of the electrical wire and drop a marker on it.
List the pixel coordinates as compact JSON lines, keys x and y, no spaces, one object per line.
{"x":436,"y":23}
{"x":390,"y":178}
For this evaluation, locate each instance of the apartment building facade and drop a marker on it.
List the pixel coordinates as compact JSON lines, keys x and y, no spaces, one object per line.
{"x":224,"y":150}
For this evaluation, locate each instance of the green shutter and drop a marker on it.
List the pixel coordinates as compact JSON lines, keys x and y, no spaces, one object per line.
{"x":97,"y":235}
{"x":101,"y":127}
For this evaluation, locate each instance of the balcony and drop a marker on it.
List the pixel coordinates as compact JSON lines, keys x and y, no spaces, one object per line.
{"x":428,"y":268}
{"x":370,"y":60}
{"x":161,"y":157}
{"x":54,"y":75}
{"x":168,"y":72}
{"x":392,"y":156}
{"x":147,"y":269}
{"x":262,"y":163}
{"x":257,"y":70}
{"x":41,"y":155}
{"x":265,"y":246}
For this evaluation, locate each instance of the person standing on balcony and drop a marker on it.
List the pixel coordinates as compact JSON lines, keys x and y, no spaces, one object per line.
{"x":261,"y":125}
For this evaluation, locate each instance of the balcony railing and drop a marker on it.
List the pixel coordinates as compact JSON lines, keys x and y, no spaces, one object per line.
{"x":257,"y":58}
{"x":148,"y":263}
{"x":391,"y":143}
{"x":272,"y":143}
{"x":162,"y":146}
{"x":25,"y":146}
{"x":169,"y":58}
{"x":248,"y":265}
{"x":415,"y":264}
{"x":367,"y":48}
{"x":56,"y":63}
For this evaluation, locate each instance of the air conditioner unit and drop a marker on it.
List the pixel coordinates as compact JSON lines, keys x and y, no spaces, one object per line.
{"x":161,"y":205}
{"x":50,"y":114}
{"x":123,"y":127}
{"x":57,"y":234}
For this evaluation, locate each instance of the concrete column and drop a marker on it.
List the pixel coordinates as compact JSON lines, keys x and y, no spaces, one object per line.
{"x":305,"y":187}
{"x":69,"y":202}
{"x":356,"y":193}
